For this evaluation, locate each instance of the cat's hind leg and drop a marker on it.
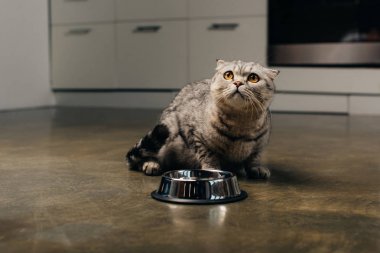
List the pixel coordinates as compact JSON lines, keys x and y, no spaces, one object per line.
{"x":151,"y":168}
{"x":143,"y":156}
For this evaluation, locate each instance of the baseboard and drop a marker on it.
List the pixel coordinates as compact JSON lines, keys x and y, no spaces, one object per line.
{"x":311,"y":103}
{"x":47,"y":107}
{"x":144,"y":100}
{"x":286,"y":102}
{"x":364,"y":105}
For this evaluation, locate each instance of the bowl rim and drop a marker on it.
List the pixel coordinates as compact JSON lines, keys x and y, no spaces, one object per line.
{"x":228,"y":175}
{"x":172,"y":200}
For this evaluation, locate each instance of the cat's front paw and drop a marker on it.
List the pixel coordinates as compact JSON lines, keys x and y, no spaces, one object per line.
{"x":258,"y":172}
{"x":151,"y":168}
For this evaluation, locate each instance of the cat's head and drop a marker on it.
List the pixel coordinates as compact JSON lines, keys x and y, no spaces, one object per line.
{"x":239,"y":84}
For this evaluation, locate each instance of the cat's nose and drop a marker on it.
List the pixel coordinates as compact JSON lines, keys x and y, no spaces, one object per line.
{"x":238,"y":84}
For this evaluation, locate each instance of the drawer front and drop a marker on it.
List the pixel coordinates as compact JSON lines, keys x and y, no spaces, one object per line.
{"x":150,"y":9}
{"x":227,"y":8}
{"x":309,"y":103}
{"x":228,"y":39}
{"x":152,"y":55}
{"x":81,"y":11}
{"x":83,"y":56}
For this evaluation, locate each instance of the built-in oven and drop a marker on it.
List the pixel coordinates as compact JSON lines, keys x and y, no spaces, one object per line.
{"x":324,"y":32}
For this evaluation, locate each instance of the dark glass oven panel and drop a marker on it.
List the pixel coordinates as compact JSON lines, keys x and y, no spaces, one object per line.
{"x":369,"y":20}
{"x":323,"y":21}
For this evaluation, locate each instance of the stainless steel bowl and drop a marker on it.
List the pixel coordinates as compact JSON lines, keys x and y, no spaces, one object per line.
{"x":199,"y":187}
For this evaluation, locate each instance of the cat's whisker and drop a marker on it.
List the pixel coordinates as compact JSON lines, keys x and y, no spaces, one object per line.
{"x":247,"y":104}
{"x":221,"y":96}
{"x":253,"y":105}
{"x":259,"y":104}
{"x":258,"y":95}
{"x":219,"y":100}
{"x":250,"y":94}
{"x":256,"y":102}
{"x":227,"y":93}
{"x":255,"y":94}
{"x":250,"y":106}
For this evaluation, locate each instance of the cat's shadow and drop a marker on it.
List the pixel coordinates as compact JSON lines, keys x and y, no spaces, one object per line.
{"x":288,"y":175}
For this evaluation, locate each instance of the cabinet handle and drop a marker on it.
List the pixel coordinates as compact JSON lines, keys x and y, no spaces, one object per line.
{"x":147,"y":29}
{"x":223,"y":26}
{"x":79,"y":31}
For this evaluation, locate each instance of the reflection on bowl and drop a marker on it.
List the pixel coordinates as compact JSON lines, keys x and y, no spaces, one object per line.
{"x":199,"y":187}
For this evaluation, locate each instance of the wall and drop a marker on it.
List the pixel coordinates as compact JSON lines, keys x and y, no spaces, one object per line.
{"x":24,"y":54}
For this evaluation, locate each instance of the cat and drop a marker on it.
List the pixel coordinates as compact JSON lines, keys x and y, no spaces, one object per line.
{"x":220,"y":123}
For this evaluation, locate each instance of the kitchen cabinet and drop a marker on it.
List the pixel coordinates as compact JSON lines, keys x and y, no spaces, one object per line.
{"x":82,"y":44}
{"x":229,"y":39}
{"x":149,"y":45}
{"x":150,"y":9}
{"x":227,"y":8}
{"x":81,"y":11}
{"x":152,"y":54}
{"x":83,"y":56}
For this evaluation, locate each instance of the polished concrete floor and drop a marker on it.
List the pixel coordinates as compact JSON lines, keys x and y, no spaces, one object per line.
{"x":64,"y":187}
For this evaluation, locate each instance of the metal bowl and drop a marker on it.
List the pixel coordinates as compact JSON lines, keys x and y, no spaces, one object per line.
{"x":199,"y":187}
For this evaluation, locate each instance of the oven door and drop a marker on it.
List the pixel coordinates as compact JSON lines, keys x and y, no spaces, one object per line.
{"x":320,"y":32}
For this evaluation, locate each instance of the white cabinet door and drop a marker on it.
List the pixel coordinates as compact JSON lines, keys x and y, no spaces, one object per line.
{"x":228,"y":39}
{"x":83,"y":56}
{"x":81,"y":11}
{"x":227,"y":8}
{"x":152,"y":55}
{"x":150,"y":9}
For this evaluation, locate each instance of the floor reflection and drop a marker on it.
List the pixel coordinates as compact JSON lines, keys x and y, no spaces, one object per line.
{"x":183,"y":215}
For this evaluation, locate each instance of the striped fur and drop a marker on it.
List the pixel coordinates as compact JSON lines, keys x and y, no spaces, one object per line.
{"x":215,"y":123}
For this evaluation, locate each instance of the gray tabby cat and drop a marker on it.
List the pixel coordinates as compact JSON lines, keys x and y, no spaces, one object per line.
{"x":222,"y":123}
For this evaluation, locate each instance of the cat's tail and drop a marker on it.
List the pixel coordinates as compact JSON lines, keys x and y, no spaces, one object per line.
{"x":148,"y":147}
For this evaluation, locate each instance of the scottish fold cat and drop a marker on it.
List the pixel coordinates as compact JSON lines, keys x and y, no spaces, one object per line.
{"x":221,"y":123}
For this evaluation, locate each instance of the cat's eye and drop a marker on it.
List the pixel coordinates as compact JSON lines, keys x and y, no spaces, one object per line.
{"x":228,"y":75}
{"x":253,"y":78}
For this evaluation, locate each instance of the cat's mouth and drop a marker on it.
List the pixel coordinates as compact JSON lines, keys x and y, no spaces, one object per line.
{"x":237,"y":93}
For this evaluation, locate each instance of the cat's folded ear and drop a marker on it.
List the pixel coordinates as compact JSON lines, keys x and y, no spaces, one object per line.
{"x":272,"y":73}
{"x":219,"y":64}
